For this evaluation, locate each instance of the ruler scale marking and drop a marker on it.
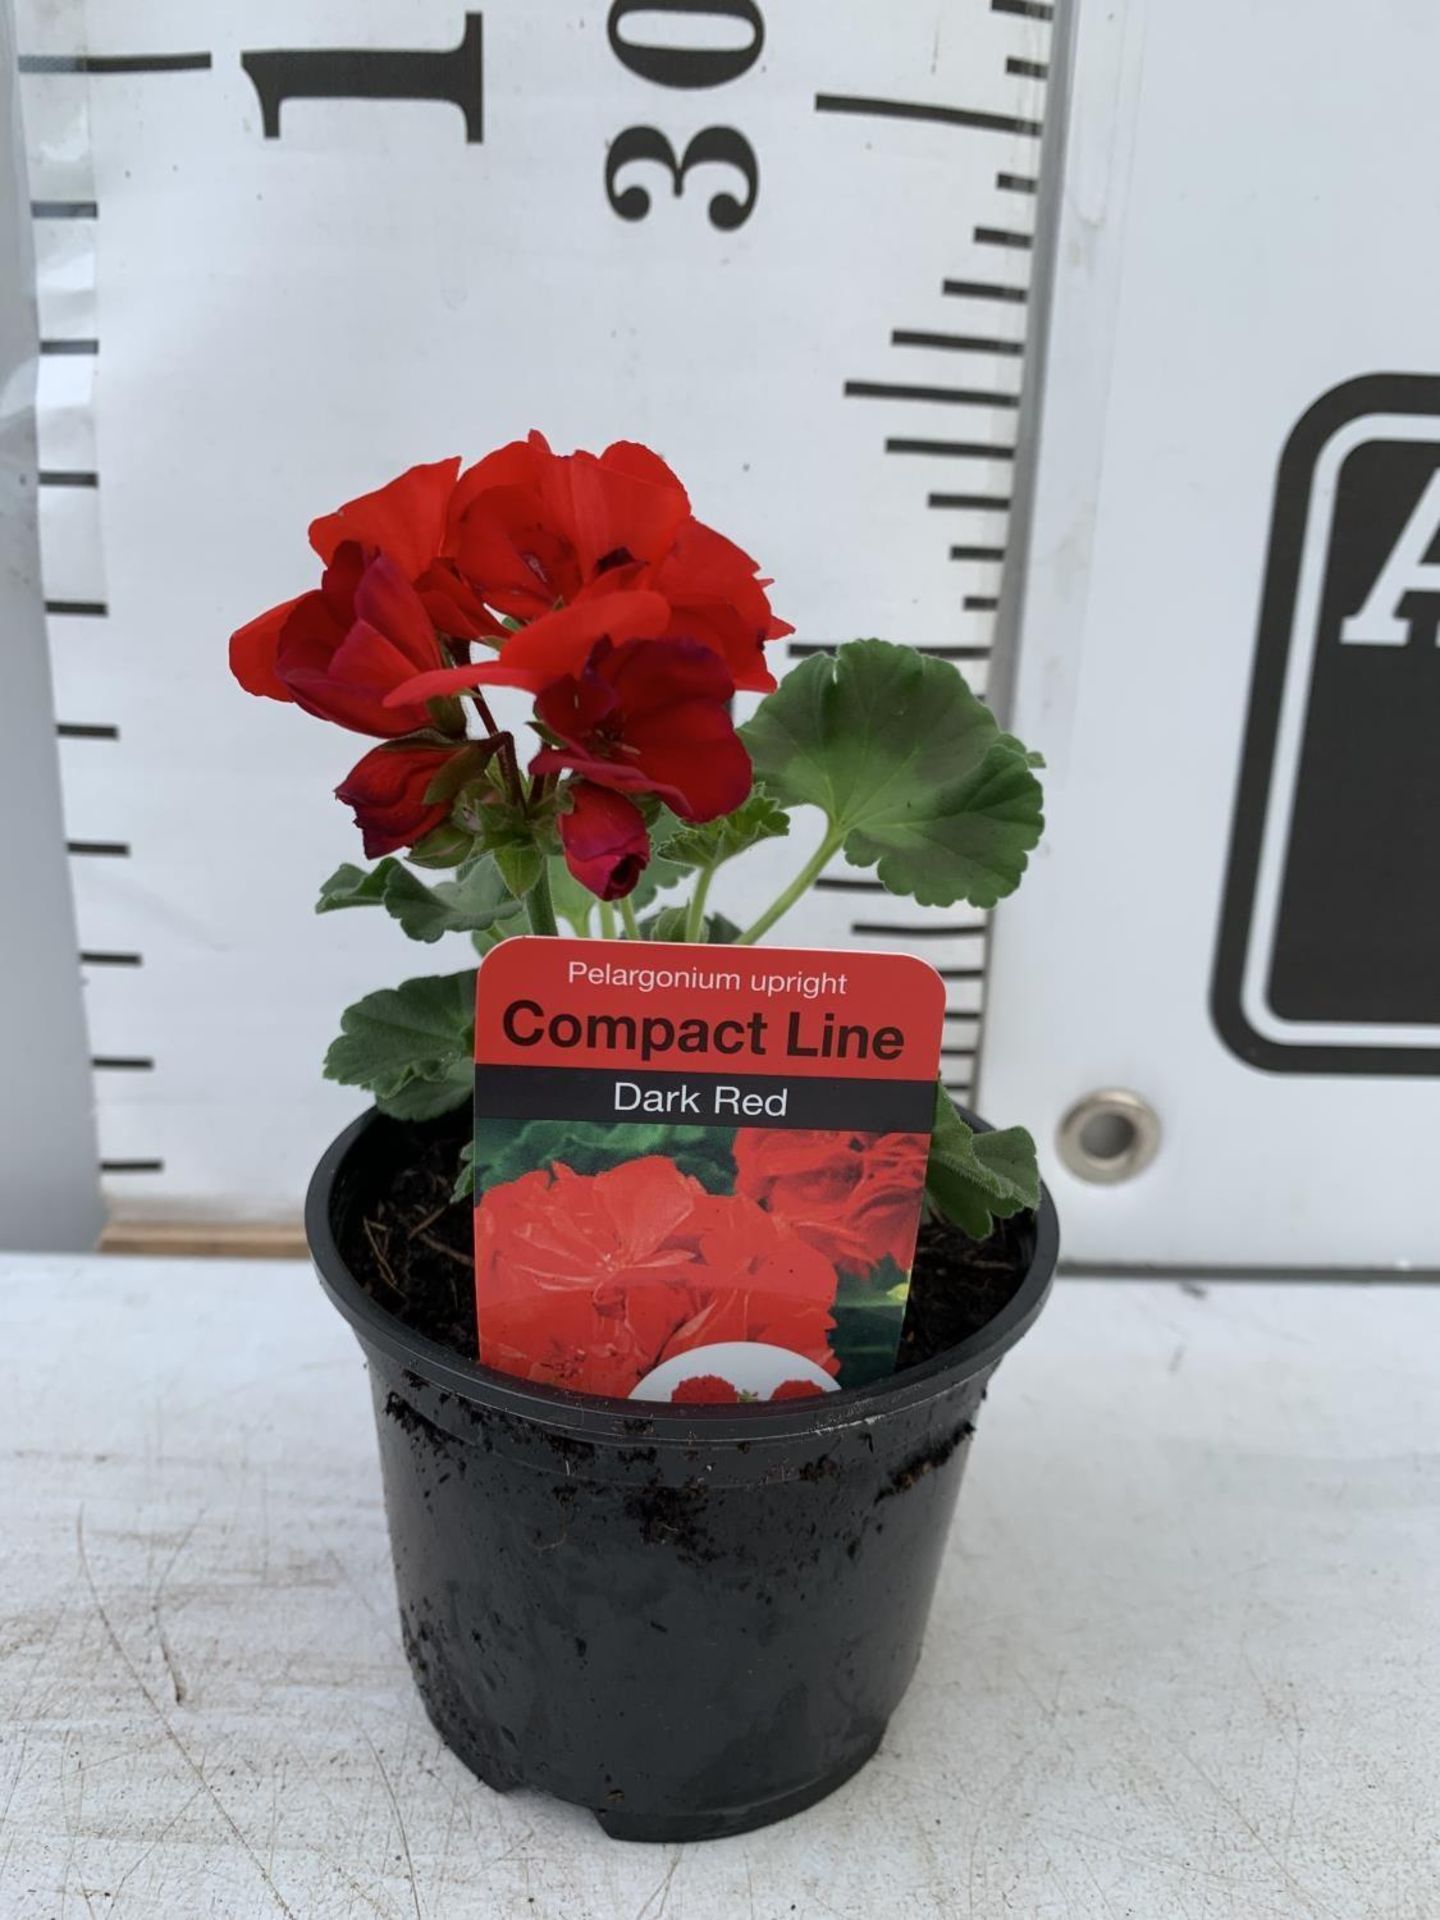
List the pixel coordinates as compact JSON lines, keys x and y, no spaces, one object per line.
{"x":923,"y":110}
{"x":985,"y":290}
{"x":64,"y":210}
{"x":935,"y":396}
{"x":97,"y":63}
{"x":952,"y":449}
{"x":1004,"y":237}
{"x":956,"y":342}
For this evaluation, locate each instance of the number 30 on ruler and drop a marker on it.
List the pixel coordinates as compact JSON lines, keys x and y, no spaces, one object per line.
{"x":456,"y":77}
{"x":686,"y":67}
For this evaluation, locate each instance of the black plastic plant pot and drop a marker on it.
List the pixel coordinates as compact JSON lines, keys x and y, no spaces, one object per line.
{"x":691,"y":1621}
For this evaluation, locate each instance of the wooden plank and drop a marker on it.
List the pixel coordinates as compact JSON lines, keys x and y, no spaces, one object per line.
{"x":215,"y":1240}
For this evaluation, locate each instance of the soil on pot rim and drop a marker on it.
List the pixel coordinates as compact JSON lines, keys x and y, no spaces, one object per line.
{"x":410,"y":1246}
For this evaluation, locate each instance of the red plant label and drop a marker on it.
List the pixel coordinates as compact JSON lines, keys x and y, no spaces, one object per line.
{"x":698,"y":1169}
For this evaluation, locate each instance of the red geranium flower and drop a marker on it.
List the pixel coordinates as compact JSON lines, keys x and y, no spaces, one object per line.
{"x":387,"y":792}
{"x":578,"y":1279}
{"x":539,"y":529}
{"x":559,"y":565}
{"x":344,"y":649}
{"x":545,"y":651}
{"x":606,"y":845}
{"x":652,"y":716}
{"x":855,"y":1197}
{"x":716,"y":597}
{"x":591,"y":1281}
{"x":546,"y":538}
{"x":407,"y":523}
{"x":780,"y":1288}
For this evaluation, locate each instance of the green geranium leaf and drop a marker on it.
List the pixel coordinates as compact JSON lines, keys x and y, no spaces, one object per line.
{"x":412,"y":1046}
{"x":757,"y":818}
{"x":447,"y":846}
{"x":470,"y":903}
{"x":492,"y":936}
{"x":910,"y":769}
{"x":521,"y":866}
{"x":975,"y":1179}
{"x":669,"y":924}
{"x":351,"y":886}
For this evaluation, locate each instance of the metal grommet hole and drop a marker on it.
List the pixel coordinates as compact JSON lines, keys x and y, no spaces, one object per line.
{"x":1109,"y":1136}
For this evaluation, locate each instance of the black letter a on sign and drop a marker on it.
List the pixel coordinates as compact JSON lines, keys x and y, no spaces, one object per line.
{"x":379,"y":73}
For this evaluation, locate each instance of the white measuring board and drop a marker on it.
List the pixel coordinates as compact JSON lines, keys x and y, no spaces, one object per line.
{"x":1229,"y":642}
{"x":287,"y":250}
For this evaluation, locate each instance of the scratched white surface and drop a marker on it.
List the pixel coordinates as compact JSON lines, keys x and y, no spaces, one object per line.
{"x":1182,"y":1662}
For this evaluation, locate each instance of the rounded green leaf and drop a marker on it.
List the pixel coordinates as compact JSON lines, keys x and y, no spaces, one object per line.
{"x":910,"y":769}
{"x":412,"y":1046}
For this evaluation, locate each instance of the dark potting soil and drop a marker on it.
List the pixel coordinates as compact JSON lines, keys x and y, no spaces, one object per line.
{"x":410,"y":1246}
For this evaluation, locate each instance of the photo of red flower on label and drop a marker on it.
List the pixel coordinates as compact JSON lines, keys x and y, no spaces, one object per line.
{"x":851,"y":1195}
{"x":592,"y":1281}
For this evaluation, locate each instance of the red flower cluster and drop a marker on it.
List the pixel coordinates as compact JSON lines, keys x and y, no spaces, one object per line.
{"x":854,"y":1197}
{"x":588,"y":582}
{"x":591,"y":1281}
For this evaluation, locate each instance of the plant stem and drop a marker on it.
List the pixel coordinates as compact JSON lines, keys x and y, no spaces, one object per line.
{"x":627,"y":914}
{"x":509,"y":765}
{"x":695,"y":916}
{"x":539,"y":907}
{"x":607,"y":921}
{"x":797,"y":888}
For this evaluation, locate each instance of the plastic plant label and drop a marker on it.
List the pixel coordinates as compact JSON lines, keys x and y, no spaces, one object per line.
{"x":699,"y":1170}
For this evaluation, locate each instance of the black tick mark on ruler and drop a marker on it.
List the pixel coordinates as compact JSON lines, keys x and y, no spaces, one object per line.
{"x":925,"y":110}
{"x":114,"y":62}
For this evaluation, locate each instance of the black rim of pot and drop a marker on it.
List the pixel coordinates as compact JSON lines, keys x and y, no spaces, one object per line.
{"x":596,"y":1417}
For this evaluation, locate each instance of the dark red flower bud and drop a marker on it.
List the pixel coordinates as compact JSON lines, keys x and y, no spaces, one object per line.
{"x":387,"y":792}
{"x":606,"y":845}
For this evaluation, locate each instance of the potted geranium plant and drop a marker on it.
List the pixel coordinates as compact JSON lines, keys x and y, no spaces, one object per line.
{"x":689,"y":1617}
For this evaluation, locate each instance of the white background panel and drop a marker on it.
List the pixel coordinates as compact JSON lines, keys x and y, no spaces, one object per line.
{"x":286,"y":322}
{"x":65,"y":400}
{"x":1207,"y":292}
